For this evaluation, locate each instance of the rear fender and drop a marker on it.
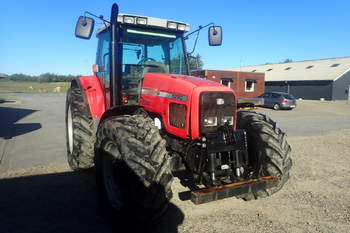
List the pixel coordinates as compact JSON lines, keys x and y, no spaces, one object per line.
{"x":93,"y":94}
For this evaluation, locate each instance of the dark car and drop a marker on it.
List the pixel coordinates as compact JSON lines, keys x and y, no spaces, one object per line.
{"x":278,"y":100}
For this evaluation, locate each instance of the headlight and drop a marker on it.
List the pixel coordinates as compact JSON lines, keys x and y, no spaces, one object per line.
{"x":172,"y":25}
{"x":142,"y":21}
{"x":228,"y":119}
{"x":129,"y":19}
{"x":181,"y":27}
{"x":210,"y":121}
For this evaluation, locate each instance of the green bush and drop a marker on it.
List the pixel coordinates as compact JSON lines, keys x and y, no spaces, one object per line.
{"x":46,"y":77}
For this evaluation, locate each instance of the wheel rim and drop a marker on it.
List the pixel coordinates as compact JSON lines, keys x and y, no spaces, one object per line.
{"x":70,"y":130}
{"x":276,"y":107}
{"x":113,"y":191}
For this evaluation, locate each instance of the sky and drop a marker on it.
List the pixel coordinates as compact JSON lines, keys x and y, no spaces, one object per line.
{"x":38,"y":36}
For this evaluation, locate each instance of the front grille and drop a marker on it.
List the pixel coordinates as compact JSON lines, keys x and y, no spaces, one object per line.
{"x":215,"y":104}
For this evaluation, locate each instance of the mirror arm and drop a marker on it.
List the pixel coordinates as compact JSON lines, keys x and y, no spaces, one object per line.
{"x":98,"y":17}
{"x":195,"y":44}
{"x":200,"y":27}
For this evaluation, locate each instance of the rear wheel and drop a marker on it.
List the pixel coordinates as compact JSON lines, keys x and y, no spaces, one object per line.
{"x":132,"y":167}
{"x":276,"y":106}
{"x":79,"y":131}
{"x":268,"y":150}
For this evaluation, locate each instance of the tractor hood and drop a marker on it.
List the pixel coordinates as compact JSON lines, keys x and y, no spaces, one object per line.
{"x":161,"y":91}
{"x":177,"y":84}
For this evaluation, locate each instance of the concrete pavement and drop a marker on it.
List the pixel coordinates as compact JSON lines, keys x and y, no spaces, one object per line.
{"x":32,"y":131}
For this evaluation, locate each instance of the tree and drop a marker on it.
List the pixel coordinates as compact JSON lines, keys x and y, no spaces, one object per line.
{"x":21,"y":77}
{"x":46,"y":77}
{"x":287,"y":60}
{"x":195,"y":62}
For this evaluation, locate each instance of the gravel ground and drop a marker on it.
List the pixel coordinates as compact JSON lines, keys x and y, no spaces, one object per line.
{"x":51,"y":198}
{"x":316,"y":198}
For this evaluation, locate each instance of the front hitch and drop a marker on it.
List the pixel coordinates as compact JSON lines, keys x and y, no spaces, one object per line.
{"x":234,"y":189}
{"x":226,"y":140}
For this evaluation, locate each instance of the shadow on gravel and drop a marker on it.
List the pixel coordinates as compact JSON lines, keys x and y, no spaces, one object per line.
{"x":4,"y":101}
{"x":9,"y":117}
{"x":63,"y":202}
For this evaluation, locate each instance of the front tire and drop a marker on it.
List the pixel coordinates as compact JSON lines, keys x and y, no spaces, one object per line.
{"x":268,"y":150}
{"x":137,"y":179}
{"x":79,"y":131}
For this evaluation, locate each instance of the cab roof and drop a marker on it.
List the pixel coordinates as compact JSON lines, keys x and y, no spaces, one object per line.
{"x":150,"y":22}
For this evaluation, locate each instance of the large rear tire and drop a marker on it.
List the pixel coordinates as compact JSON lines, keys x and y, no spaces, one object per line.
{"x":132,"y":168}
{"x":268,"y":150}
{"x":79,"y":131}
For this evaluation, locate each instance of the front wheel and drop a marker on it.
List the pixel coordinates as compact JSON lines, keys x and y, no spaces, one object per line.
{"x":268,"y":149}
{"x":132,"y":167}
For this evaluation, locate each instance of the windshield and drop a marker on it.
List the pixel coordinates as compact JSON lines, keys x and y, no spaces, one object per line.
{"x":153,"y":51}
{"x":145,"y":51}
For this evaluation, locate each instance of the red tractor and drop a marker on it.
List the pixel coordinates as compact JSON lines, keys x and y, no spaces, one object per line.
{"x":140,"y":119}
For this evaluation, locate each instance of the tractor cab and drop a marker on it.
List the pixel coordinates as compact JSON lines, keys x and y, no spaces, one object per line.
{"x":142,"y":45}
{"x":145,"y":45}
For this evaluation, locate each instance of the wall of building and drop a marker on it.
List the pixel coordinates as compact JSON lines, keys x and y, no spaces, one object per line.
{"x":312,"y":90}
{"x":237,"y":80}
{"x":341,"y":87}
{"x":2,"y":75}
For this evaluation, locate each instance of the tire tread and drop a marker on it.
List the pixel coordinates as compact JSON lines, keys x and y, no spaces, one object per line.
{"x":272,"y":148}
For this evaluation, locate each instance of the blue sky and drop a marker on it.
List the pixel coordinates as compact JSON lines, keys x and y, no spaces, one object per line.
{"x":38,"y":36}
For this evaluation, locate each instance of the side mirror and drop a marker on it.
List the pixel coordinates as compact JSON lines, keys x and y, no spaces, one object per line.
{"x":84,"y":27}
{"x":215,"y":35}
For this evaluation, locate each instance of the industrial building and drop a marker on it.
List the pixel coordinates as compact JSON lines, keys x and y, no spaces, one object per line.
{"x":312,"y":79}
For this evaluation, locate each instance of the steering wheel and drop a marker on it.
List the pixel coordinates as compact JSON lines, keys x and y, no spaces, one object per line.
{"x":144,"y":60}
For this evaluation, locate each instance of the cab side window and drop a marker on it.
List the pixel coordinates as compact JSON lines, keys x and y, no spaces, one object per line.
{"x":102,"y":59}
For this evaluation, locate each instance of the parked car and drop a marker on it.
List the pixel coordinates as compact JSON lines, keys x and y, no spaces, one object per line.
{"x":278,"y":100}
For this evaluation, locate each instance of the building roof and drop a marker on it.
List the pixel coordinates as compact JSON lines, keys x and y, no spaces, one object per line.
{"x":323,"y":69}
{"x":3,"y":75}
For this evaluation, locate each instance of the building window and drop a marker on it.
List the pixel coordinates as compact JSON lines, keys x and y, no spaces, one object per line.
{"x":335,"y":65}
{"x":288,"y":68}
{"x":269,"y":69}
{"x":249,"y":86}
{"x":253,"y":70}
{"x":309,"y":67}
{"x":226,"y":82}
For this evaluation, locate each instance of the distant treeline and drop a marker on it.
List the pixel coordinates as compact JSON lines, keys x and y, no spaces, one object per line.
{"x":47,"y":77}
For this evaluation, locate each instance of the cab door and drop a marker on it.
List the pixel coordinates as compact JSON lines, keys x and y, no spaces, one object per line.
{"x":103,"y":65}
